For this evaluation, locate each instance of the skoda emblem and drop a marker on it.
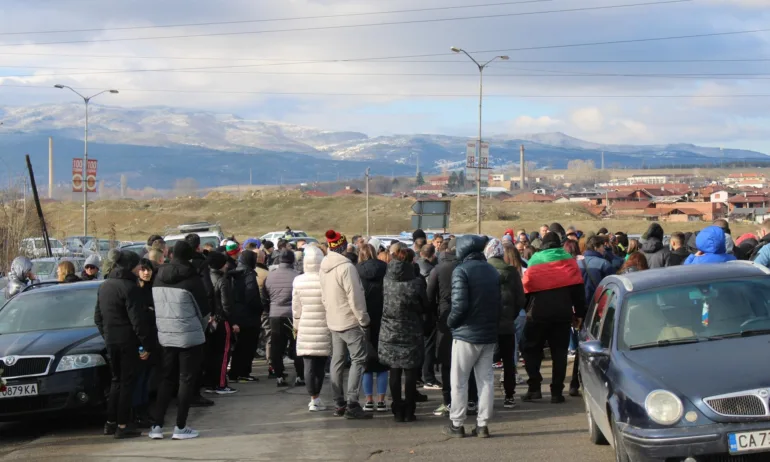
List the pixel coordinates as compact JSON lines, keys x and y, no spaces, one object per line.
{"x":10,"y":360}
{"x":762,"y":393}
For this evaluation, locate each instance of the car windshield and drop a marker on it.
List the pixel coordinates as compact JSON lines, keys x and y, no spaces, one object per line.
{"x":49,"y":310}
{"x":696,"y":312}
{"x":43,"y":268}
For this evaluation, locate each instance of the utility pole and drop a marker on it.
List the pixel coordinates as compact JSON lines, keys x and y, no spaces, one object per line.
{"x":602,"y":160}
{"x":50,"y":167}
{"x":367,"y":201}
{"x":250,"y":183}
{"x":521,"y":168}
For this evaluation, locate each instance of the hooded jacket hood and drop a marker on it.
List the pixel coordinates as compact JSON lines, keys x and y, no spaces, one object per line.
{"x":333,"y":260}
{"x":17,"y":276}
{"x":248,"y":259}
{"x":711,"y":240}
{"x":652,"y":245}
{"x":311,"y":259}
{"x":372,"y":269}
{"x":470,"y":244}
{"x":400,"y":271}
{"x":654,"y":231}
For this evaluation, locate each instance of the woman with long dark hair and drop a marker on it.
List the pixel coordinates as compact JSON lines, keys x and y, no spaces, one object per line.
{"x":372,"y":272}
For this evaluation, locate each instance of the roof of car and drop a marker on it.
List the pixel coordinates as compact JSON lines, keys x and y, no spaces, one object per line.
{"x":690,"y":274}
{"x":54,"y":287}
{"x":56,"y":259}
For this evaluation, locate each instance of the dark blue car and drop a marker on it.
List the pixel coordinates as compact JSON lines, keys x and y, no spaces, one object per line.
{"x":51,"y":353}
{"x":674,"y":364}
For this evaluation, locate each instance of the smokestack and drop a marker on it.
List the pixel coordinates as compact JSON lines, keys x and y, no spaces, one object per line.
{"x":521,"y":168}
{"x":50,"y":167}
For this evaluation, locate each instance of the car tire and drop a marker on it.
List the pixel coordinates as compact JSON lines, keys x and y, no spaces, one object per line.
{"x":594,"y":433}
{"x":621,"y":455}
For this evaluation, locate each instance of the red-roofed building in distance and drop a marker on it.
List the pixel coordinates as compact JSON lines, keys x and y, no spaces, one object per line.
{"x":746,"y":178}
{"x":748,"y":201}
{"x":348,"y":191}
{"x":314,"y":193}
{"x":438,"y":181}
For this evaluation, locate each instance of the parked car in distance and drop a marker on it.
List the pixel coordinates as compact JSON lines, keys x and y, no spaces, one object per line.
{"x":308,"y":240}
{"x":34,"y":247}
{"x":275,"y":235}
{"x":51,"y":353}
{"x":136,"y":247}
{"x":100,"y":246}
{"x":75,"y":244}
{"x":671,"y":363}
{"x":208,"y":232}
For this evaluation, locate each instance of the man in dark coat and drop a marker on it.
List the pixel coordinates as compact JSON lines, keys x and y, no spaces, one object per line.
{"x":247,"y":315}
{"x":679,"y":251}
{"x":120,"y":318}
{"x":556,"y":299}
{"x":653,"y":249}
{"x":474,"y":320}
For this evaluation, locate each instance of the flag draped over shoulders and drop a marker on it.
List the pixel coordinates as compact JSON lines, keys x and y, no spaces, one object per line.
{"x":551,"y":269}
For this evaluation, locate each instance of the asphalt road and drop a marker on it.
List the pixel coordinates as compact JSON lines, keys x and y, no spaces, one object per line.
{"x":262,"y":422}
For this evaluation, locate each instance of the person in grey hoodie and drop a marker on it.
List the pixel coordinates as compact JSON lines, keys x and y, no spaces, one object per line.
{"x":277,"y":297}
{"x":653,"y":249}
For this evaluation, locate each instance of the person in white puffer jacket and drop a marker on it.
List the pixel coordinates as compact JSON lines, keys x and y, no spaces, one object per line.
{"x":314,"y":341}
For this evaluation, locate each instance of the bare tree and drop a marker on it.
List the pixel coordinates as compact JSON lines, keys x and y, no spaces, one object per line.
{"x":16,"y":222}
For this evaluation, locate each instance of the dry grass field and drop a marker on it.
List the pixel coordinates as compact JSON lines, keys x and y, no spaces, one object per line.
{"x":263,"y":211}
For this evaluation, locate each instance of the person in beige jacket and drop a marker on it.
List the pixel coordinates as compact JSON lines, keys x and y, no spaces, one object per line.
{"x":342,"y":295}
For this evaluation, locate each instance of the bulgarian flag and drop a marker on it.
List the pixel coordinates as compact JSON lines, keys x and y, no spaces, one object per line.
{"x":551,"y":269}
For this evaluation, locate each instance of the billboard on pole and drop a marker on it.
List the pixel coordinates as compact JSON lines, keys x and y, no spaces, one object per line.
{"x":91,"y":175}
{"x":77,"y":175}
{"x":470,"y":159}
{"x":470,"y":154}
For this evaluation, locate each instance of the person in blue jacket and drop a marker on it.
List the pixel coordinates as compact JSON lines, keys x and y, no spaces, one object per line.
{"x":711,"y":248}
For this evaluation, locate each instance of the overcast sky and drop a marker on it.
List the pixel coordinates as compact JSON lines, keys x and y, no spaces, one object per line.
{"x":267,"y":75}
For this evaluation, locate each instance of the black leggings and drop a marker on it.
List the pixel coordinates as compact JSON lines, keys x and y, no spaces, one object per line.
{"x":282,"y":338}
{"x":507,"y":344}
{"x":410,"y":386}
{"x":314,"y":373}
{"x":245,"y":348}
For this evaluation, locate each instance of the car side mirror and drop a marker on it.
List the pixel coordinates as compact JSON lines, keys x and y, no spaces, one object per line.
{"x":593,"y":348}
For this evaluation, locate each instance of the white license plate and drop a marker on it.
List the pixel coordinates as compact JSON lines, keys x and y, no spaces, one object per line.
{"x":17,"y":391}
{"x":749,"y":441}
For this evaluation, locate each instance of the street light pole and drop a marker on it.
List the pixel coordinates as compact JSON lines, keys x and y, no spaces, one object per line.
{"x":478,"y":142}
{"x":86,"y":100}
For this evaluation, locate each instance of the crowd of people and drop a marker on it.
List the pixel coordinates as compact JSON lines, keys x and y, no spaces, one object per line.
{"x":191,"y":317}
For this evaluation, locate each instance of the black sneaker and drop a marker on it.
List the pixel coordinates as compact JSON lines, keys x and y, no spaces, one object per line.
{"x":110,"y":427}
{"x":420,"y":398}
{"x":200,"y":401}
{"x":420,"y":384}
{"x":127,"y":432}
{"x":574,"y":392}
{"x":339,"y":411}
{"x":382,"y":407}
{"x":557,"y":399}
{"x":509,"y":403}
{"x":356,"y":412}
{"x":480,"y":432}
{"x":298,"y":382}
{"x":454,"y":432}
{"x":532,"y":395}
{"x":472,"y":408}
{"x":369,"y":406}
{"x":281,"y":382}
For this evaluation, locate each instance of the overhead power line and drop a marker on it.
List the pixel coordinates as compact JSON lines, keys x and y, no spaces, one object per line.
{"x":347,"y":26}
{"x":253,"y":21}
{"x":402,"y":95}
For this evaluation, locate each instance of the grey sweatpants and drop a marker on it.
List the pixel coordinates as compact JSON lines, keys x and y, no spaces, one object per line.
{"x":467,"y":356}
{"x":353,"y":341}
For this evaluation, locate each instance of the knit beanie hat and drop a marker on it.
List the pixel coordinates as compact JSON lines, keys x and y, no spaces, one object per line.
{"x":231,"y":247}
{"x":507,"y":238}
{"x":216,"y":260}
{"x":337,"y":241}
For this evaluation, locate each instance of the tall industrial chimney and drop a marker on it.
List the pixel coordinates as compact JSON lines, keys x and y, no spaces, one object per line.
{"x":50,"y":167}
{"x":521,"y":168}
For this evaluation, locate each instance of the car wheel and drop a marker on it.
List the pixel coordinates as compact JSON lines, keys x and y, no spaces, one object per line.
{"x":621,"y":455}
{"x":594,"y":433}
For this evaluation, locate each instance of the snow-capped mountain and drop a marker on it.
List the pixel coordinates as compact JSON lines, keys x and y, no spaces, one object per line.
{"x":164,"y":134}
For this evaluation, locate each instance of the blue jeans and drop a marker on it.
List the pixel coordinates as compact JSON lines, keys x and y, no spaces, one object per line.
{"x":519,"y":323}
{"x":368,"y":383}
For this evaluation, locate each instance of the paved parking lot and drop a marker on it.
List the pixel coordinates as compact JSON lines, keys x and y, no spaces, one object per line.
{"x":262,"y":422}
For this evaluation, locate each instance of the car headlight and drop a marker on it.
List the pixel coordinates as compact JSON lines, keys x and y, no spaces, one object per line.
{"x":663,"y":407}
{"x":75,"y":362}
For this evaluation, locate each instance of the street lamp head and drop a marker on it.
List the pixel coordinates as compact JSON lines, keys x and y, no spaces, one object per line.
{"x":504,"y":58}
{"x":455,"y":49}
{"x":114,"y":92}
{"x":59,"y":86}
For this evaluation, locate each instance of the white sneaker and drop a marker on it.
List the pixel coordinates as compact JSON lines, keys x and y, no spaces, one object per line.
{"x":317,"y":405}
{"x":185,"y":433}
{"x":156,"y":433}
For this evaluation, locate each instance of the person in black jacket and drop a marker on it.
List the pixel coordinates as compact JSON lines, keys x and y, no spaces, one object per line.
{"x":475,"y":321}
{"x":372,"y":272}
{"x":247,"y":315}
{"x":219,"y":329}
{"x":147,"y":369}
{"x":440,"y":295}
{"x":119,"y":316}
{"x":679,"y":251}
{"x":653,"y":249}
